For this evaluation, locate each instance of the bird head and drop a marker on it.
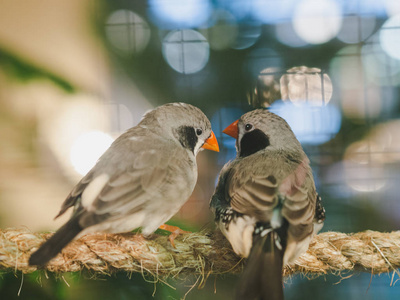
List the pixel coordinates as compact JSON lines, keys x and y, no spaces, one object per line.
{"x":186,"y":124}
{"x":261,"y":129}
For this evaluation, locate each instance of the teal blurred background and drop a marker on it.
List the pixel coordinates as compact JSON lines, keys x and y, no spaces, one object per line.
{"x":75,"y":74}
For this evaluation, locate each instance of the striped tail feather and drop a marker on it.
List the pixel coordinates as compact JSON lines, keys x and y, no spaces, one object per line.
{"x":56,"y":243}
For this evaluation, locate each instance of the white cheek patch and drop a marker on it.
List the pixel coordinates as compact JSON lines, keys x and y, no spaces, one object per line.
{"x":198,"y":148}
{"x":240,"y":136}
{"x":240,"y":234}
{"x":93,"y":190}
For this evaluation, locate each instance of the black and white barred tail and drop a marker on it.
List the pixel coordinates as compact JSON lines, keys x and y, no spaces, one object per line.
{"x":262,"y":276}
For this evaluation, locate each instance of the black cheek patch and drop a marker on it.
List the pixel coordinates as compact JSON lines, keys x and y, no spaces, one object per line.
{"x":187,"y":137}
{"x":253,"y":142}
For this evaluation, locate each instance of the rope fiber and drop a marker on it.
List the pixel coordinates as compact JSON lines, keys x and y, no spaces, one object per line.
{"x":200,"y":253}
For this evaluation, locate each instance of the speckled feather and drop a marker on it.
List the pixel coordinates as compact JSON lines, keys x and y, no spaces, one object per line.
{"x":268,"y":190}
{"x":250,"y":185}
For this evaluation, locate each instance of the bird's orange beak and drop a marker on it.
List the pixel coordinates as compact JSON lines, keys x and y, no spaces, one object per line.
{"x":232,"y":130}
{"x":211,"y":143}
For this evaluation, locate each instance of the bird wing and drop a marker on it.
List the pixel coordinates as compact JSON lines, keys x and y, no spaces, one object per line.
{"x":75,"y":194}
{"x":299,"y":209}
{"x":132,"y":171}
{"x":256,"y":197}
{"x":257,"y":193}
{"x":129,"y":190}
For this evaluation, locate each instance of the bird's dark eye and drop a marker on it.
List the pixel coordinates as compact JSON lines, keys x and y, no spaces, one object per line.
{"x":248,"y":127}
{"x":199,"y":131}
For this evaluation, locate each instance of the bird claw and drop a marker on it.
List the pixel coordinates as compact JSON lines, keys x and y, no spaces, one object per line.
{"x":175,"y":231}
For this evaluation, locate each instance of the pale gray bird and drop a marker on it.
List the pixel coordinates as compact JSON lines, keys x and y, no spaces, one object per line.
{"x":142,"y":180}
{"x":265,"y":202}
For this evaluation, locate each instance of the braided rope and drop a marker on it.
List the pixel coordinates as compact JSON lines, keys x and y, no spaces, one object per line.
{"x":197,"y":253}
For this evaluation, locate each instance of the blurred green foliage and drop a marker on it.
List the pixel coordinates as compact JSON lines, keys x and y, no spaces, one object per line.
{"x":24,"y":71}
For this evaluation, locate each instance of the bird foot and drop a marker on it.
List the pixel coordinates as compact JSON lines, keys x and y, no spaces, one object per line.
{"x":175,"y":231}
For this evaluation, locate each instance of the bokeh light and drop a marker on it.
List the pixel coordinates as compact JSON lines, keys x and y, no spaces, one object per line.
{"x":311,"y":125}
{"x":389,"y":37}
{"x":186,"y":51}
{"x":67,"y":122}
{"x":239,"y":8}
{"x":351,"y":69}
{"x":387,"y":137}
{"x":306,"y":85}
{"x":368,"y":160}
{"x":248,"y":34}
{"x":356,"y":28}
{"x":392,"y":7}
{"x":223,"y":32}
{"x":272,"y":11}
{"x":362,"y":104}
{"x":267,"y":89}
{"x":363,"y":172}
{"x":346,"y":68}
{"x":261,"y":58}
{"x":127,"y":32}
{"x":87,"y":149}
{"x":317,"y":21}
{"x":286,"y":34}
{"x":379,"y":67}
{"x":172,"y":14}
{"x":363,"y":8}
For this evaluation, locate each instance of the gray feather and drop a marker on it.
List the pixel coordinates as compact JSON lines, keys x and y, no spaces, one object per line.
{"x":272,"y":185}
{"x":140,"y":181}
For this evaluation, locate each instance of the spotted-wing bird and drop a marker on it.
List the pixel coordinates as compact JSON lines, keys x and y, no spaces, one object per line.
{"x":265,"y":202}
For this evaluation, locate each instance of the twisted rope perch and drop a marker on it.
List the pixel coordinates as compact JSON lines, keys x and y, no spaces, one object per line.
{"x":197,"y":253}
